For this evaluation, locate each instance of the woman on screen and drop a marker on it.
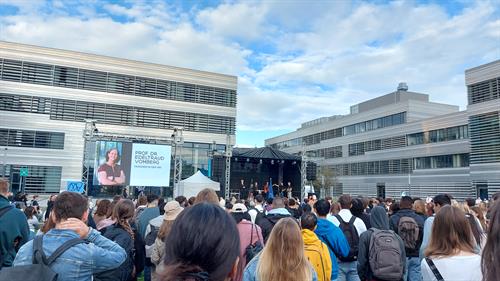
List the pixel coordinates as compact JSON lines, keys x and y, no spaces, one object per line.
{"x":110,"y":173}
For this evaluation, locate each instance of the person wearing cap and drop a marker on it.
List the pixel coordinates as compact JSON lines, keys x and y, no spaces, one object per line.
{"x":249,"y":232}
{"x":172,"y":210}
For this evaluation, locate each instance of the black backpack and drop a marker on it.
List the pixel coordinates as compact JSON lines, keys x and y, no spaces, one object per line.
{"x":149,"y":240}
{"x":253,"y":248}
{"x":351,"y":234}
{"x":3,"y":211}
{"x":40,"y":269}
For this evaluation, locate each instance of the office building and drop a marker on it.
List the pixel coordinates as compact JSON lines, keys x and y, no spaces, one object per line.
{"x":402,"y":142}
{"x":46,"y":94}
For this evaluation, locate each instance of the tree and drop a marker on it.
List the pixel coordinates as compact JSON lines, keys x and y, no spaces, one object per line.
{"x":325,"y":181}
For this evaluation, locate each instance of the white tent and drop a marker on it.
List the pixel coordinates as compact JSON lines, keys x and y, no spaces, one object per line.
{"x":195,"y":183}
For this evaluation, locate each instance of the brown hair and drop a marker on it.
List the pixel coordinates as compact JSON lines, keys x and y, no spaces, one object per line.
{"x":103,"y":207}
{"x":480,"y":216}
{"x":142,"y":200}
{"x":345,"y":201}
{"x":165,"y":228}
{"x":207,"y":195}
{"x":489,"y":261}
{"x":283,"y":257}
{"x":4,"y":186}
{"x":451,"y":233}
{"x":122,"y":213}
{"x":335,"y":208}
{"x":69,"y":205}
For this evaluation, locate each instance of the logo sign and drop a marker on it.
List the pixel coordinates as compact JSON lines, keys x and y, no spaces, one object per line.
{"x":23,"y":172}
{"x":75,"y":186}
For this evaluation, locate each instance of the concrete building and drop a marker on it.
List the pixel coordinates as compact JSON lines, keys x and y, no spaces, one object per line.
{"x":45,"y":95}
{"x":402,"y":142}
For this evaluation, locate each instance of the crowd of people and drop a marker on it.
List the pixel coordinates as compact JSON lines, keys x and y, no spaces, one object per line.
{"x":205,"y":238}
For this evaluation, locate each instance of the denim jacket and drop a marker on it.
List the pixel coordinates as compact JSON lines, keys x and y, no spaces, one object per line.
{"x":80,"y":261}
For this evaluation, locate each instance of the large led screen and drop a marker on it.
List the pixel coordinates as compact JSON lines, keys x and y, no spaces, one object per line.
{"x":136,"y":164}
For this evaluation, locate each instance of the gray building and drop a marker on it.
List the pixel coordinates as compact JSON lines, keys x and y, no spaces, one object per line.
{"x":45,"y":95}
{"x":402,"y":142}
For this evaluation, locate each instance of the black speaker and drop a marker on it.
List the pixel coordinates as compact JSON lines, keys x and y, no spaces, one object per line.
{"x":311,"y":170}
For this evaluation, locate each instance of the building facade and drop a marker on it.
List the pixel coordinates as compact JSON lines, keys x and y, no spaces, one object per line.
{"x":402,"y":142}
{"x":46,"y":94}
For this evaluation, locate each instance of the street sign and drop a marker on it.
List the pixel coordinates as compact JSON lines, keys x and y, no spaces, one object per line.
{"x":23,"y":172}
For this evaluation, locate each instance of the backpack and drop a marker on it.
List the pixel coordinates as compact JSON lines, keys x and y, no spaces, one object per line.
{"x":352,"y":237}
{"x":253,"y":249}
{"x":385,"y":255}
{"x":409,"y":231}
{"x":149,"y":240}
{"x":40,"y":269}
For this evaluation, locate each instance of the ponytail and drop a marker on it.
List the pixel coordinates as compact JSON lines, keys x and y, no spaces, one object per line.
{"x":184,"y":272}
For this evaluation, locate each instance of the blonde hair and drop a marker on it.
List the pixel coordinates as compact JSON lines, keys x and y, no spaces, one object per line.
{"x":283,"y":257}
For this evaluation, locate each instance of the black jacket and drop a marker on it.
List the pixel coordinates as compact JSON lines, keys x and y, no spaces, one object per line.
{"x":124,"y":272}
{"x":267,"y":223}
{"x":394,"y":221}
{"x":378,"y":220}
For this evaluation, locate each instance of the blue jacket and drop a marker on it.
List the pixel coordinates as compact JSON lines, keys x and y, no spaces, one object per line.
{"x":250,"y":273}
{"x":80,"y":261}
{"x":333,"y":237}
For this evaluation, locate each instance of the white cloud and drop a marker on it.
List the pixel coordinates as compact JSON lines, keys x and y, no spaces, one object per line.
{"x":296,"y":61}
{"x":239,"y":20}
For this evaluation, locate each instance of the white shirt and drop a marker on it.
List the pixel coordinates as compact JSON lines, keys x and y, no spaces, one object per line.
{"x":346,"y":215}
{"x":253,"y":212}
{"x":456,"y":268}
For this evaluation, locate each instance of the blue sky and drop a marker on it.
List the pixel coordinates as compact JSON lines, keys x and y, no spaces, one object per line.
{"x":295,"y":60}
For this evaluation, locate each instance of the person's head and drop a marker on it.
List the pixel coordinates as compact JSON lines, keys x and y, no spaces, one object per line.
{"x":309,"y":221}
{"x":4,"y":187}
{"x":489,"y":264}
{"x":394,"y":208}
{"x":278,"y":203}
{"x":203,"y":240}
{"x":419,"y":207}
{"x":182,"y":200}
{"x":112,"y":156}
{"x":117,"y":198}
{"x":440,"y":201}
{"x":322,"y":207}
{"x":228,"y":207}
{"x":70,"y":205}
{"x":259,"y":199}
{"x":451,"y":233}
{"x":292,"y":203}
{"x":345,"y":201}
{"x":123,"y":211}
{"x":103,"y":207}
{"x":478,"y":213}
{"x":471,"y":202}
{"x":357,"y":207}
{"x":283,"y":257}
{"x":406,"y":202}
{"x":240,"y":212}
{"x":495,"y":196}
{"x":191,"y":200}
{"x":29,"y":212}
{"x":153,"y":199}
{"x":335,"y":208}
{"x":142,"y":200}
{"x":207,"y":195}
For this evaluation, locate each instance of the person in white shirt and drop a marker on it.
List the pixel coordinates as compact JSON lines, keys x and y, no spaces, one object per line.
{"x":450,"y":254}
{"x":258,"y":207}
{"x":348,"y":267}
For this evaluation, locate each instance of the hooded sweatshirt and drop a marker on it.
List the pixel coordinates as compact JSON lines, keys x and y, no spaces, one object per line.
{"x":337,"y":244}
{"x":318,"y":255}
{"x":14,"y":231}
{"x":378,"y":220}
